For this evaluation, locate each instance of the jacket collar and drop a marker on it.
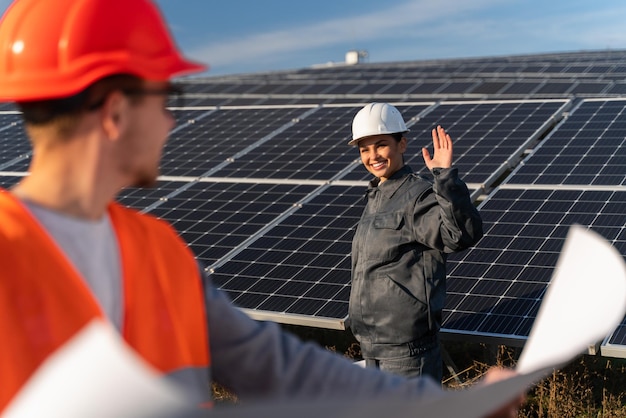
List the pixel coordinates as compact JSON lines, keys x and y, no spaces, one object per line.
{"x":389,"y":187}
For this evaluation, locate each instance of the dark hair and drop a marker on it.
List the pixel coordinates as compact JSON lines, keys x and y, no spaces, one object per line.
{"x":42,"y":112}
{"x":397,"y":136}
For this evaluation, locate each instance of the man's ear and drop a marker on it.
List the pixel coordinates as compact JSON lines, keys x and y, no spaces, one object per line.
{"x":112,"y":114}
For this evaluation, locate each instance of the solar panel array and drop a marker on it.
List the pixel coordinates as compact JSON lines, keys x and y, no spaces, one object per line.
{"x":259,"y":180}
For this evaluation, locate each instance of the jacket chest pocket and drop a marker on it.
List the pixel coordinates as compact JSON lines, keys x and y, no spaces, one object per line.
{"x":385,"y":236}
{"x":392,"y":221}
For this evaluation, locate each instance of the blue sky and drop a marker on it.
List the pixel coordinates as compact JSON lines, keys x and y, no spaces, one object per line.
{"x":246,"y":36}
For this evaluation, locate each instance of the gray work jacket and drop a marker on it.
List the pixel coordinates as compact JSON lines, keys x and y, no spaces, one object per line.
{"x":399,"y":256}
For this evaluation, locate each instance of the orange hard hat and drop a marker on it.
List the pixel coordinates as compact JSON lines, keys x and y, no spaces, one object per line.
{"x":56,"y":48}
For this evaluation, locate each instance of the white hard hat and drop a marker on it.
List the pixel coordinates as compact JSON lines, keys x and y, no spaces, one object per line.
{"x":376,"y":119}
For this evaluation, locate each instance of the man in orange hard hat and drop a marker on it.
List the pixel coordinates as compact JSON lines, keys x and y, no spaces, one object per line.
{"x":92,"y":78}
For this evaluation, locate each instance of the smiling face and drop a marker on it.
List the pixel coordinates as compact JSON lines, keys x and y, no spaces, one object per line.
{"x":382,"y":155}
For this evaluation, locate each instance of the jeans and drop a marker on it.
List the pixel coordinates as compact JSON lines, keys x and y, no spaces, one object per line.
{"x":421,"y":358}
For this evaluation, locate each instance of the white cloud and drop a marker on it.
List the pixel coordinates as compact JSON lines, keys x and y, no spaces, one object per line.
{"x":385,"y":24}
{"x":517,"y":31}
{"x":595,"y":28}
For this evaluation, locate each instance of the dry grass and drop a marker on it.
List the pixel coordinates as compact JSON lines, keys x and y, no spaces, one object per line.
{"x":589,"y":387}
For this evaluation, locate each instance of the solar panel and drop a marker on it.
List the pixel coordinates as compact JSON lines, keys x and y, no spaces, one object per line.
{"x":615,"y":344}
{"x":588,"y":148}
{"x":458,"y":87}
{"x":277,"y":88}
{"x":489,"y":87}
{"x":429,"y":87}
{"x":589,"y":88}
{"x":495,"y":289}
{"x":560,"y":87}
{"x":143,"y":199}
{"x":6,"y":181}
{"x":371,"y":88}
{"x":243,"y":88}
{"x":7,"y":107}
{"x":13,"y":142}
{"x":344,"y":88}
{"x":299,"y":271}
{"x":617,"y":88}
{"x":215,"y":218}
{"x":521,"y":88}
{"x":203,"y":142}
{"x":400,"y":88}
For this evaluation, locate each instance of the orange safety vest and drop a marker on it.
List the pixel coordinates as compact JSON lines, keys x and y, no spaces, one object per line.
{"x":44,"y":301}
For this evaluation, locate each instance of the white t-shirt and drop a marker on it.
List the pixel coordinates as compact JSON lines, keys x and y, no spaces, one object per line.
{"x":91,"y":247}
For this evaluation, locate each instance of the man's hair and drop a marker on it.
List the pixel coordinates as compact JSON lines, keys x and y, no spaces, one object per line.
{"x":64,"y":113}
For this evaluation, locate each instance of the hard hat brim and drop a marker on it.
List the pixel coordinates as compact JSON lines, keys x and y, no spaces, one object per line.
{"x":355,"y":141}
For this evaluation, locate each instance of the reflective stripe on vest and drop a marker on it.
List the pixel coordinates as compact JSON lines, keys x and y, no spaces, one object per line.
{"x":44,"y":302}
